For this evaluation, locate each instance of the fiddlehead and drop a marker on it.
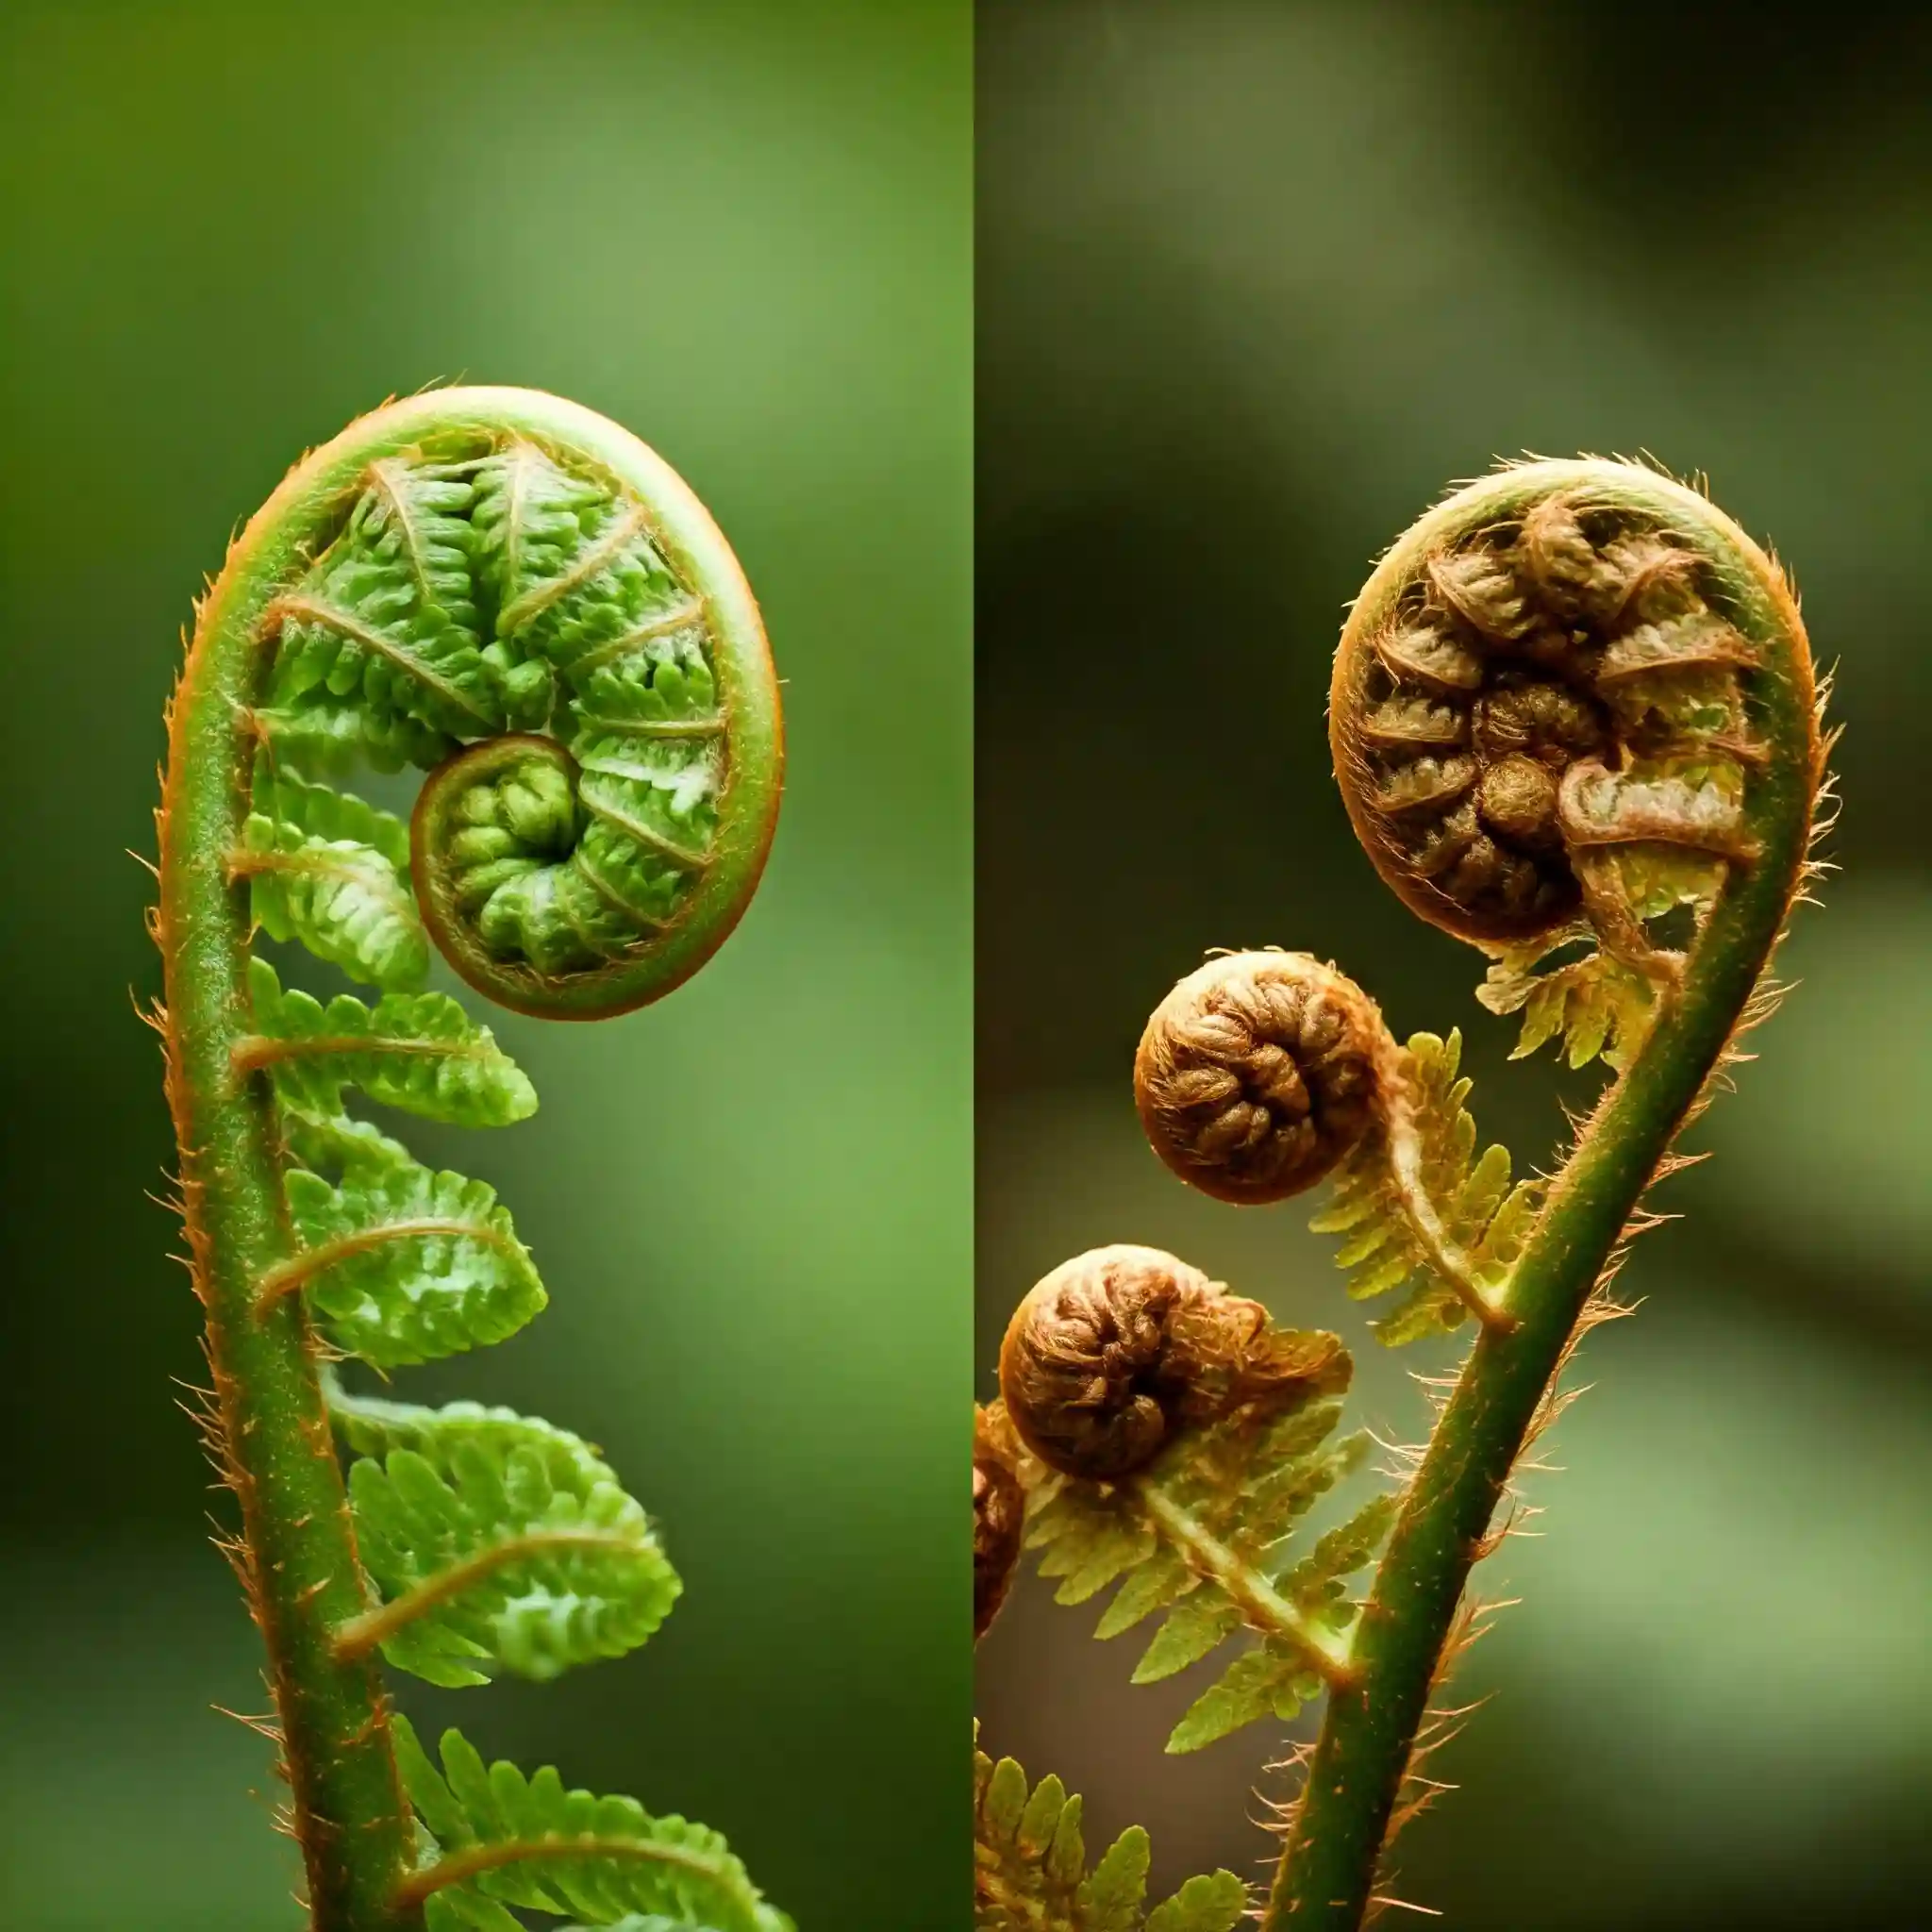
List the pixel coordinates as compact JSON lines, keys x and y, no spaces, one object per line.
{"x":504,"y":587}
{"x":1117,"y":1347}
{"x":1573,"y":714}
{"x":1259,"y":1072}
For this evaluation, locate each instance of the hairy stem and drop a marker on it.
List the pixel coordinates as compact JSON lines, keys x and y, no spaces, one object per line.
{"x":297,"y":1553}
{"x":1327,"y":1874}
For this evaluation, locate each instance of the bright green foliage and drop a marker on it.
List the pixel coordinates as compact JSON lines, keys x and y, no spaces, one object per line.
{"x":575,"y":591}
{"x":416,"y":1265}
{"x":333,"y":873}
{"x":387,"y":614}
{"x":1204,"y":1535}
{"x":1030,"y":1867}
{"x":336,"y":1144}
{"x":563,"y":1851}
{"x":561,"y":1566}
{"x":415,"y":1051}
{"x":446,"y":592}
{"x":1481,"y":1213}
{"x":320,"y":812}
{"x":335,"y":737}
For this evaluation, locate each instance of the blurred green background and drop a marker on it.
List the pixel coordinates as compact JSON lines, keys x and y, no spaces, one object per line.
{"x":744,"y":232}
{"x":1256,"y":281}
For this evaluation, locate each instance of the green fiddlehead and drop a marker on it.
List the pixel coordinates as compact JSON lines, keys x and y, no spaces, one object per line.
{"x":513,"y":592}
{"x":1574,"y":715}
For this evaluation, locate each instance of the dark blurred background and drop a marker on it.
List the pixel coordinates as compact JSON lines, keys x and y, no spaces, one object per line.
{"x":744,"y":232}
{"x":1256,"y":281}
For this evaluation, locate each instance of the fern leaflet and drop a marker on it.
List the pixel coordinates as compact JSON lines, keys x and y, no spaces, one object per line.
{"x":331,"y":872}
{"x":1481,"y":1217}
{"x":495,"y":1540}
{"x":406,"y":1265}
{"x":1029,"y":1867}
{"x":499,"y":1840}
{"x":386,"y":614}
{"x":419,"y":1052}
{"x":1203,"y":1533}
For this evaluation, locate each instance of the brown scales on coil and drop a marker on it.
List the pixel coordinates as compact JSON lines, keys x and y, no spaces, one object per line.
{"x":1260,"y":1073}
{"x":1546,"y":694}
{"x":1122,"y":1345}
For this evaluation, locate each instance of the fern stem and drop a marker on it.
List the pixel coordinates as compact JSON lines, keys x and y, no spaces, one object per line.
{"x":1260,"y":1603}
{"x":1327,"y":1869}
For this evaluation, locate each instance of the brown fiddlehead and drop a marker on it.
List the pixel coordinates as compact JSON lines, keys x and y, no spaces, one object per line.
{"x":1575,"y":722}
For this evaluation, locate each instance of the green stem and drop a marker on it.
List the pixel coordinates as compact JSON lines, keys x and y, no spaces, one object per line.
{"x":1327,"y":1869}
{"x":298,"y":1550}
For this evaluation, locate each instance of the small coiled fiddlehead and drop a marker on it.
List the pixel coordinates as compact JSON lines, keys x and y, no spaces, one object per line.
{"x":1259,"y":1072}
{"x":510,"y":591}
{"x":1119,"y":1346}
{"x":1573,"y":707}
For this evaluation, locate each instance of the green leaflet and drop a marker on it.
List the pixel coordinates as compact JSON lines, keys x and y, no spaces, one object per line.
{"x":387,"y":616}
{"x":1203,"y":1534}
{"x":1030,"y":1867}
{"x":334,"y":737}
{"x":563,"y":1567}
{"x":570,"y":570}
{"x":318,"y":812}
{"x":563,"y":1851}
{"x":406,"y":1265}
{"x":415,"y":1051}
{"x":1481,"y":1213}
{"x":576,"y":591}
{"x":336,"y":1145}
{"x":333,"y":873}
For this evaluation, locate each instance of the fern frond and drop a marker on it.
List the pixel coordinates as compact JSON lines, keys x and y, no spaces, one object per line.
{"x":386,"y":617}
{"x":572,"y":570}
{"x":502,"y":1840}
{"x":340,"y":1144}
{"x":414,"y":1051}
{"x":1029,"y":1867}
{"x":318,"y":812}
{"x":1589,"y":1006}
{"x":331,"y":872}
{"x":405,"y":1265}
{"x":331,"y":737}
{"x":1203,"y":1533}
{"x":1481,"y":1217}
{"x":496,"y":1541}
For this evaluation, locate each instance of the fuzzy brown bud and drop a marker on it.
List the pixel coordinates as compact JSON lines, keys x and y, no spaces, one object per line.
{"x":1538,"y":625}
{"x":999,"y":1510}
{"x":1119,"y":1346}
{"x":1259,"y":1072}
